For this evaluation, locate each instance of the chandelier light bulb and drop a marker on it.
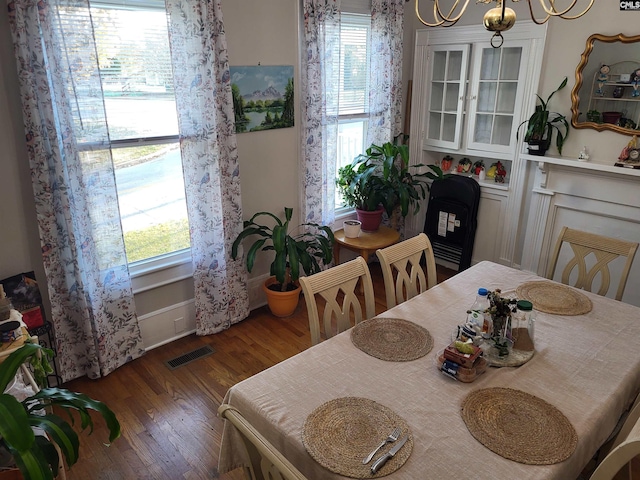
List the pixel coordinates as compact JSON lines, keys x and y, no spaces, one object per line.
{"x":499,"y":19}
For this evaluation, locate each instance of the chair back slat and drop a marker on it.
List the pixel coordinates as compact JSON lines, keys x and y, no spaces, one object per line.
{"x":402,"y":270}
{"x":338,"y":287}
{"x":592,"y":259}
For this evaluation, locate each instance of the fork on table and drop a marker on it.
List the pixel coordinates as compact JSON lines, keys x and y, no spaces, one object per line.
{"x":393,"y":436}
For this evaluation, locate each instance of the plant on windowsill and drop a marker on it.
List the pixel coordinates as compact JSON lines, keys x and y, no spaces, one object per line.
{"x":541,"y":125}
{"x":35,"y":454}
{"x":310,"y":250}
{"x":380,"y":180}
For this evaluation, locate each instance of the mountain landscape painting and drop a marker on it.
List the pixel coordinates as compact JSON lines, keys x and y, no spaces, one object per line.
{"x":262,"y":97}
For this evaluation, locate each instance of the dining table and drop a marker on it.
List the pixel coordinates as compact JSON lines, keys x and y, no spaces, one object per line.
{"x":585,"y":365}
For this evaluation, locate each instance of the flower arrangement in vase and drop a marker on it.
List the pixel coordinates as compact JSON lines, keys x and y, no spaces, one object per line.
{"x":500,"y":310}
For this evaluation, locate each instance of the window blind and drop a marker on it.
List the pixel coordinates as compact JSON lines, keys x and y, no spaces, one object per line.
{"x":135,"y":67}
{"x":133,"y":84}
{"x":354,"y":64}
{"x":356,"y":6}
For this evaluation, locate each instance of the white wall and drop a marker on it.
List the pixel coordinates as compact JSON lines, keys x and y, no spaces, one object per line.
{"x":19,"y":244}
{"x":266,"y":33}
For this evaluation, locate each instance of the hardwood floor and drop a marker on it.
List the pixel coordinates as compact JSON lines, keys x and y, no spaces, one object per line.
{"x":170,"y":428}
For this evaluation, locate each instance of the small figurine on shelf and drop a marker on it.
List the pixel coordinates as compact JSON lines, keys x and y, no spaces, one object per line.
{"x":635,"y":80}
{"x":478,"y":169}
{"x":464,"y":165}
{"x":446,"y":163}
{"x":632,"y":145}
{"x":602,"y":79}
{"x":583,"y":156}
{"x":501,"y":173}
{"x":491,"y":173}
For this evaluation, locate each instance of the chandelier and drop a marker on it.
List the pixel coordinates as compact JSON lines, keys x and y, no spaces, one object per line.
{"x":499,"y":18}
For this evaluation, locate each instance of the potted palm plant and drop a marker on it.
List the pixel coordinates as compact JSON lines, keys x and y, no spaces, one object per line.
{"x":381,"y":180}
{"x":541,"y":125}
{"x":310,"y":250}
{"x":34,"y":452}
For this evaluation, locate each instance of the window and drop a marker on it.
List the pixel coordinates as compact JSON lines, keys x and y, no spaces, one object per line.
{"x":137,"y":92}
{"x":353,"y":81}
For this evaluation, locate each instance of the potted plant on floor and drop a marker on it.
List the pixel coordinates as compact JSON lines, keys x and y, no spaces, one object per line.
{"x":310,"y":250}
{"x":381,"y":180}
{"x":35,"y":453}
{"x":541,"y":125}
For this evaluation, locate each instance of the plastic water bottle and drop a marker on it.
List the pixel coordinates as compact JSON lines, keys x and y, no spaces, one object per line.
{"x":476,"y":314}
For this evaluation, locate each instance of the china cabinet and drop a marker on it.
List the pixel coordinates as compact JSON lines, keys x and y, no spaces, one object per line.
{"x":489,"y":91}
{"x":468,"y":101}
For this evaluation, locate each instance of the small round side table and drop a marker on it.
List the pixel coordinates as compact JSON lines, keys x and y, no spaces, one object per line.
{"x":365,"y":244}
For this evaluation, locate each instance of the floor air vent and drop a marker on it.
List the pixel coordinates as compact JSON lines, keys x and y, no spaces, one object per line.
{"x":189,"y":357}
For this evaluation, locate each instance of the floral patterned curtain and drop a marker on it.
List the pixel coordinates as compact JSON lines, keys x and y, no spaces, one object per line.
{"x":320,"y":94}
{"x":385,"y":90}
{"x":74,"y":188}
{"x":319,"y":106}
{"x":210,"y":160}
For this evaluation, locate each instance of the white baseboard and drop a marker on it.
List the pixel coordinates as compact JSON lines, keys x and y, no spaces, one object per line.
{"x":171,"y":323}
{"x":167,"y":324}
{"x":257,"y":298}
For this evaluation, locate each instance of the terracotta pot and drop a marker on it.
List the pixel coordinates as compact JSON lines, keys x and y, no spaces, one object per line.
{"x":370,"y":220}
{"x":611,"y":117}
{"x":281,"y":304}
{"x":12,"y":474}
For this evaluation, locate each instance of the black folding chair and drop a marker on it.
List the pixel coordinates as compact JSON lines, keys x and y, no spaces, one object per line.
{"x":452,"y":219}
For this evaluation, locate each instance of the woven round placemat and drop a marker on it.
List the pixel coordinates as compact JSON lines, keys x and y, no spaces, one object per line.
{"x":392,"y":339}
{"x":519,"y":426}
{"x":554,"y":298}
{"x":340,"y":433}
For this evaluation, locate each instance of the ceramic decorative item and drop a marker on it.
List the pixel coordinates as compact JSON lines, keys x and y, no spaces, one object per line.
{"x":602,"y":79}
{"x":584,"y":155}
{"x":352,"y":228}
{"x":446,"y":163}
{"x":464,"y":165}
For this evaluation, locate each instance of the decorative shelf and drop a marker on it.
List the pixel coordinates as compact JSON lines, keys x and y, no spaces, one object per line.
{"x":587,"y":167}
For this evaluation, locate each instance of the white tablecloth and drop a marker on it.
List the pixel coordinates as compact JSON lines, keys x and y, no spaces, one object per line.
{"x":587,"y":366}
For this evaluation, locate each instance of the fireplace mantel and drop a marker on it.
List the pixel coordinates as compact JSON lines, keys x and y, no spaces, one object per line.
{"x":603,"y":199}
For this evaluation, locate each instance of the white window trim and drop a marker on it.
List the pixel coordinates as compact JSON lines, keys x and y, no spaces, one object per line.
{"x":169,"y":268}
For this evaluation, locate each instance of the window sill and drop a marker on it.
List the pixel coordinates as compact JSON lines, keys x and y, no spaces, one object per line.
{"x":160,"y":271}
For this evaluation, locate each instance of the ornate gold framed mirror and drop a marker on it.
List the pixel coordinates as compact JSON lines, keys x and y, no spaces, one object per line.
{"x":606,"y":95}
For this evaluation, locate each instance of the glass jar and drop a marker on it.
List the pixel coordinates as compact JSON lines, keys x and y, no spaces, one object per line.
{"x":522,"y":326}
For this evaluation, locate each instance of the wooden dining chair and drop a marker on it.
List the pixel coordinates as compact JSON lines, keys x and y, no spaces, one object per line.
{"x":592,"y":255}
{"x":402,"y":271}
{"x":625,"y":447}
{"x":266,"y":461}
{"x":337,"y":286}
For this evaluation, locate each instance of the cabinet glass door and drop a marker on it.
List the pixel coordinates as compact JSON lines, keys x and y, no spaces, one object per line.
{"x":496,"y":97}
{"x":445,"y":97}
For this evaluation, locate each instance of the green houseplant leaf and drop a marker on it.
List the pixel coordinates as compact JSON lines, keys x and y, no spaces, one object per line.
{"x":383,"y":176}
{"x":35,"y":455}
{"x":542,"y":123}
{"x":292,"y":251}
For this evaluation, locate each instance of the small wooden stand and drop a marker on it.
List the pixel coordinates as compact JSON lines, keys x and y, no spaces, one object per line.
{"x":365,"y":244}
